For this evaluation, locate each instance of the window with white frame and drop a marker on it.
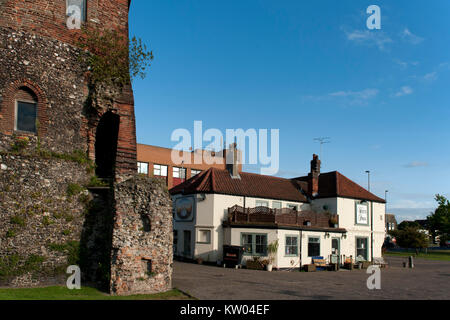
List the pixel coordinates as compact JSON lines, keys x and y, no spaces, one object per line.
{"x":276,"y":204}
{"x":204,"y":236}
{"x":142,"y":168}
{"x":291,"y":246}
{"x":195,"y":172}
{"x":254,"y":244}
{"x":159,"y":170}
{"x":179,"y":172}
{"x":313,"y":246}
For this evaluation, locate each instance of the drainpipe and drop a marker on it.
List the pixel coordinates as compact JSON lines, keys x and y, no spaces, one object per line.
{"x":371,"y":231}
{"x":301,"y":250}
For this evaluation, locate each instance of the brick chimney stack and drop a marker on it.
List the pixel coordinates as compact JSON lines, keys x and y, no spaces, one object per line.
{"x":314,"y":176}
{"x":232,"y":163}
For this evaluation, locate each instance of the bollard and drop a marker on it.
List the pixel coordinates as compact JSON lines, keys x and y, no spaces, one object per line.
{"x":411,"y":262}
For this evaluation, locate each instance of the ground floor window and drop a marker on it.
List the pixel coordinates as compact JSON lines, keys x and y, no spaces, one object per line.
{"x":361,"y":248}
{"x":204,"y":236}
{"x":254,"y":244}
{"x":313,"y":246}
{"x":291,"y":248}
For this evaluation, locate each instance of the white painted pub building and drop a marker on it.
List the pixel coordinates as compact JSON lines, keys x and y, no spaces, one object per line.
{"x":317,"y":215}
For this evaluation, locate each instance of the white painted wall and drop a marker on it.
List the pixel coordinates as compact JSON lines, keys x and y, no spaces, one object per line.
{"x":211,"y":212}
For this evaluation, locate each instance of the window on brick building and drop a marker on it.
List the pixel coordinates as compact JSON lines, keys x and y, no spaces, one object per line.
{"x":159,"y":170}
{"x":81,"y":4}
{"x":142,"y":168}
{"x":179,"y":172}
{"x":25,"y":111}
{"x":195,"y":172}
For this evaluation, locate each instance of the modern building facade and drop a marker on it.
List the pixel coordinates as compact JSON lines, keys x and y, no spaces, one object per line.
{"x":157,"y":162}
{"x":317,"y":215}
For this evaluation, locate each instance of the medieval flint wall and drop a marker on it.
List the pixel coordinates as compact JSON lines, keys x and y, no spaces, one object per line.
{"x":142,"y":237}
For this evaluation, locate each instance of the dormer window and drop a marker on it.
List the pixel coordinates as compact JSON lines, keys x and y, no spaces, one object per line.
{"x":81,"y":4}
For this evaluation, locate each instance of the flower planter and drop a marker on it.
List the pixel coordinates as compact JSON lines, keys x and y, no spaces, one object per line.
{"x":254,"y":265}
{"x":269,"y":267}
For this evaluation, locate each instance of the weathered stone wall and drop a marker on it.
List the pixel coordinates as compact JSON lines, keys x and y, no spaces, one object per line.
{"x":142,"y":252}
{"x":41,"y":218}
{"x":53,"y":68}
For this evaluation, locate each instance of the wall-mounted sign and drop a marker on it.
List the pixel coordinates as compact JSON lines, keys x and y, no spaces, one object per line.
{"x":184,"y":209}
{"x":362,"y":214}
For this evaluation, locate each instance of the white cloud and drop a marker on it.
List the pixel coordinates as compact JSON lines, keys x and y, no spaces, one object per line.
{"x":404,"y":91}
{"x":356,"y":97}
{"x":363,"y":94}
{"x":416,"y":164}
{"x":430,"y":76}
{"x":406,"y":64}
{"x":410,"y":37}
{"x":369,"y":38}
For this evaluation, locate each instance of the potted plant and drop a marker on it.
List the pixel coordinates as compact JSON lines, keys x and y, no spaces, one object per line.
{"x":272,"y":250}
{"x":334,"y":221}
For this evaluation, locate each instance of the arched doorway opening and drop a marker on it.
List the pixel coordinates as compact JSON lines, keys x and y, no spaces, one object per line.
{"x":106,"y":145}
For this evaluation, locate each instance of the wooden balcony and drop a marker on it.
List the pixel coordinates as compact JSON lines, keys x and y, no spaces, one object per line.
{"x":284,"y":216}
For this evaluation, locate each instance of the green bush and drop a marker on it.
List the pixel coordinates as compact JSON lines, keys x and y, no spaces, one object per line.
{"x":11,"y":233}
{"x":14,"y":265}
{"x":18,"y":220}
{"x":74,"y":189}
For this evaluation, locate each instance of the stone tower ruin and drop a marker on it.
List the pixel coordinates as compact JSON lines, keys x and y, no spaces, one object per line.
{"x":69,"y":189}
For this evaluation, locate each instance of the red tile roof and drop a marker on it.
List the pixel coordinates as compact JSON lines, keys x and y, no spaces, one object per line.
{"x":331,"y":184}
{"x":335,"y":184}
{"x":250,"y":184}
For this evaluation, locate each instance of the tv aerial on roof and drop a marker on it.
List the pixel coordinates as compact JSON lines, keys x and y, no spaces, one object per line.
{"x":322,"y":141}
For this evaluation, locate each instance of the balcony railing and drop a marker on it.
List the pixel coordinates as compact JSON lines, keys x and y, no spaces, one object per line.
{"x":286,"y":216}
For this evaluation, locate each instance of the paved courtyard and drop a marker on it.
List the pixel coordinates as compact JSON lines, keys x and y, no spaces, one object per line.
{"x":428,"y":280}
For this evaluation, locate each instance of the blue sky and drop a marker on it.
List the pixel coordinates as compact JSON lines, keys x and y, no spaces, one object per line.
{"x":310,"y":69}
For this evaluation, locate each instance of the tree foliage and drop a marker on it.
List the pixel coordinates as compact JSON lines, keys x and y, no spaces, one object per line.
{"x":111,"y":58}
{"x":439,"y":221}
{"x":410,"y":237}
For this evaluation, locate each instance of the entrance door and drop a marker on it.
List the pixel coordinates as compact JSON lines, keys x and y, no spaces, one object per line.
{"x":336,"y":247}
{"x":187,"y":243}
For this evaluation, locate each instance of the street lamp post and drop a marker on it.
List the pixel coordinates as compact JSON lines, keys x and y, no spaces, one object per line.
{"x":385,"y":200}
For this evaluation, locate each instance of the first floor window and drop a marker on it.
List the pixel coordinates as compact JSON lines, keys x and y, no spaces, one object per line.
{"x":143,"y":167}
{"x":26,"y":113}
{"x":313,"y":246}
{"x":276,"y":204}
{"x":179,"y":172}
{"x":262,"y":203}
{"x":361,"y":248}
{"x":159,"y":170}
{"x":254,"y":244}
{"x":291,"y":248}
{"x":195,"y":172}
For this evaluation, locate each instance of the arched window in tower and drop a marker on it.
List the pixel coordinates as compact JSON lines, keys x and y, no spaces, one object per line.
{"x":25,"y":113}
